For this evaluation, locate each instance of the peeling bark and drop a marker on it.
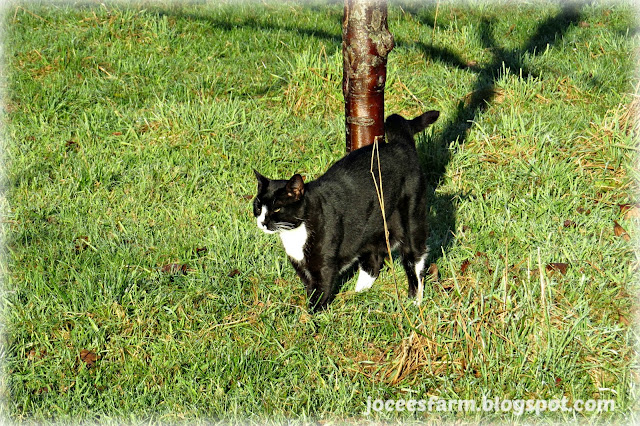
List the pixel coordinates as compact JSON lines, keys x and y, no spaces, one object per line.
{"x":366,"y":42}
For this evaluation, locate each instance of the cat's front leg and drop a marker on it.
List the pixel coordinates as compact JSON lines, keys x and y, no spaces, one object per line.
{"x":318,"y":284}
{"x":320,"y":290}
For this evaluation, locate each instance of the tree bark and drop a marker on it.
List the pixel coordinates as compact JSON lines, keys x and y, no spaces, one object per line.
{"x":366,"y":42}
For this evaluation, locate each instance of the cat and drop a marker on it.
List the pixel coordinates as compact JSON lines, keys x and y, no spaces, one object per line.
{"x":335,"y":222}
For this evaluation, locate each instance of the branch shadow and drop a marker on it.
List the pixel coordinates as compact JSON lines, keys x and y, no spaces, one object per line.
{"x":436,"y":152}
{"x":253,"y":23}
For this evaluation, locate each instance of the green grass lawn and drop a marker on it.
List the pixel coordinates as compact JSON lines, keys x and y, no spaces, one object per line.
{"x":138,"y":288}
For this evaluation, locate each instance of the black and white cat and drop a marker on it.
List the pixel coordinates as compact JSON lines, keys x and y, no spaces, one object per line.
{"x":334,"y":222}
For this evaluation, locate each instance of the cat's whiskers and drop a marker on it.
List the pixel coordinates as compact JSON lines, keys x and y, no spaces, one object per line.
{"x":285,"y":226}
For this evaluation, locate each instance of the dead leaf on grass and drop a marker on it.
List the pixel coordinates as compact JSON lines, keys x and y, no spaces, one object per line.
{"x":620,"y":232}
{"x":464,"y":266}
{"x":201,"y":251}
{"x":557,"y":266}
{"x":71,"y":145}
{"x":33,"y":355}
{"x":630,"y":211}
{"x":433,"y":272}
{"x":174,"y":268}
{"x":88,"y":357}
{"x":82,"y":243}
{"x":582,"y":210}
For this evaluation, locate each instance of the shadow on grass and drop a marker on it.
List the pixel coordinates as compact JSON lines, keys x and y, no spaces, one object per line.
{"x":436,"y":153}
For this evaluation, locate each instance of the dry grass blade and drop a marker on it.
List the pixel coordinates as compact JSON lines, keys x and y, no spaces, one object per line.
{"x":375,"y":153}
{"x":630,"y":119}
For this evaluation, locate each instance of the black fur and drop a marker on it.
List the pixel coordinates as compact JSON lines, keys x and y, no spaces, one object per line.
{"x":342,"y":215}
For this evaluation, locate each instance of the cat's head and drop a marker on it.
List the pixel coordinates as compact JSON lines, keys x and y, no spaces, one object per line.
{"x":278,"y":205}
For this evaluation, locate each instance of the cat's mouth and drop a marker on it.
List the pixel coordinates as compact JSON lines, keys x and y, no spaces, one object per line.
{"x":273,"y":228}
{"x":266,"y":230}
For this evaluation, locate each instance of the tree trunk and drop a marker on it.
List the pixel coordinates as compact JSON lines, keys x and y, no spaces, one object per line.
{"x":366,"y":42}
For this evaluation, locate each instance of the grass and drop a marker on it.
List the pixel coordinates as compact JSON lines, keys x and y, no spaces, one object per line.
{"x":137,"y":287}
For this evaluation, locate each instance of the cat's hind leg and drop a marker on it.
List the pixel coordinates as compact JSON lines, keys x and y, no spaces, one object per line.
{"x":414,"y":258}
{"x":369,"y":265}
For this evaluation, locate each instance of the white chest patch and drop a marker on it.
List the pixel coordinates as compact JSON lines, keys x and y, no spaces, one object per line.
{"x":294,"y":241}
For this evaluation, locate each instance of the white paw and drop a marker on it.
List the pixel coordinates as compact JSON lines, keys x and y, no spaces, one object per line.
{"x":419,"y":293}
{"x":365,"y":281}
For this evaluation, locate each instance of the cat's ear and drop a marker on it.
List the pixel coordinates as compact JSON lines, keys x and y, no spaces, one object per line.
{"x":262,"y":181}
{"x":421,"y":122}
{"x":295,"y":187}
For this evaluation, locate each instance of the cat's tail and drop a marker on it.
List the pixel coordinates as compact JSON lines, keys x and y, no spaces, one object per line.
{"x":398,"y":128}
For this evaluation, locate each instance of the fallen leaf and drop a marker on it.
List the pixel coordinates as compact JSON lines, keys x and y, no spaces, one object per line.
{"x":582,"y":210}
{"x":510,"y":30}
{"x":33,"y":354}
{"x":174,"y":268}
{"x":447,"y":285}
{"x":620,"y":232}
{"x":464,"y":266}
{"x":88,"y":357}
{"x":569,"y":224}
{"x":584,"y":24}
{"x":248,"y":197}
{"x":623,"y":319}
{"x":233,"y":273}
{"x":82,"y":243}
{"x":201,"y":250}
{"x":624,"y":207}
{"x":556,"y":266}
{"x":433,"y":272}
{"x":117,"y":133}
{"x":42,"y":390}
{"x":630,"y":210}
{"x":71,"y":145}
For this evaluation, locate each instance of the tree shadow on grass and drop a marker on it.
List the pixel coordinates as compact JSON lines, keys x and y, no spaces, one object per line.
{"x":437,"y":152}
